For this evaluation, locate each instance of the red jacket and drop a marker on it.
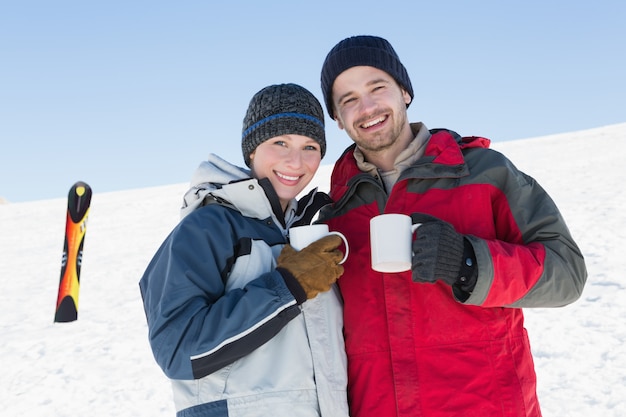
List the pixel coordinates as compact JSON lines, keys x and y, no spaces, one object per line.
{"x":413,"y":349}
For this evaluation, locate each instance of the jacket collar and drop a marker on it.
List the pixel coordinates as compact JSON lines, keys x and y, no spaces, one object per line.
{"x":217,"y":181}
{"x":443,"y":151}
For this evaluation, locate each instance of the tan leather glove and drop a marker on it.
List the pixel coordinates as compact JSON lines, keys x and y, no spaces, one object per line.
{"x":315,"y":267}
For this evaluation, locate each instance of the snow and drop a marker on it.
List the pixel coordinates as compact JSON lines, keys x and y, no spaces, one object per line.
{"x":101,"y":364}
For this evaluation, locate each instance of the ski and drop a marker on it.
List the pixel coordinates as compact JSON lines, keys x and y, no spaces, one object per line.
{"x":78,"y":202}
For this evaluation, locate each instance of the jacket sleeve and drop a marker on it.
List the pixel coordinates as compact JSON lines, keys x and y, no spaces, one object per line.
{"x":532,"y":261}
{"x":196,"y":326}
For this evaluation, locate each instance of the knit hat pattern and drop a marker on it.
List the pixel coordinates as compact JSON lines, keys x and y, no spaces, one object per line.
{"x":371,"y":51}
{"x":282,"y":109}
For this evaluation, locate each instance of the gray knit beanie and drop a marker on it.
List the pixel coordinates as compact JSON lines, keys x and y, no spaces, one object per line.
{"x":364,"y":50}
{"x":280,"y":110}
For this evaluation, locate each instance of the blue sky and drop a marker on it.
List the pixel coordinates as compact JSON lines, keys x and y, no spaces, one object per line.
{"x":132,"y":94}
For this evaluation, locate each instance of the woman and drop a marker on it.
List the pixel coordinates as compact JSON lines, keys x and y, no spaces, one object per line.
{"x":241,"y":323}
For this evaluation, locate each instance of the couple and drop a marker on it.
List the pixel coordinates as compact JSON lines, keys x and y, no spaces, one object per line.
{"x":244,"y":325}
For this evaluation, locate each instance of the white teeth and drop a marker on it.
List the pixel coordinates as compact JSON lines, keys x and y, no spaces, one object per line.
{"x":287,"y":177}
{"x":373,"y":122}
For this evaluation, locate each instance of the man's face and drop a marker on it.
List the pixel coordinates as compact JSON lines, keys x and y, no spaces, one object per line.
{"x":371,"y":106}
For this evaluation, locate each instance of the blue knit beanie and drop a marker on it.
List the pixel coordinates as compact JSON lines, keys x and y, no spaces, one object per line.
{"x":370,"y":51}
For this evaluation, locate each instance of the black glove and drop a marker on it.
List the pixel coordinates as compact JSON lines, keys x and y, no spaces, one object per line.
{"x":315,"y":268}
{"x":439,"y":252}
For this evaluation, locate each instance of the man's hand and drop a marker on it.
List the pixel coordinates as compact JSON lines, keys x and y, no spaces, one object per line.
{"x":437,"y":251}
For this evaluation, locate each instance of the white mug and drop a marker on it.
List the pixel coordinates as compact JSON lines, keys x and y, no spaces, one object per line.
{"x":302,"y":236}
{"x":391,"y":238}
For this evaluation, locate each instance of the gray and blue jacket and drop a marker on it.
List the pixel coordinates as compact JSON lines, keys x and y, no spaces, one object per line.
{"x":223,"y":324}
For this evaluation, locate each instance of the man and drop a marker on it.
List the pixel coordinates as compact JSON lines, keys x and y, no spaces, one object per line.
{"x":446,"y":338}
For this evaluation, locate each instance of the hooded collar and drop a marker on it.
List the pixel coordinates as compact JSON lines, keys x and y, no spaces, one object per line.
{"x":217,"y":181}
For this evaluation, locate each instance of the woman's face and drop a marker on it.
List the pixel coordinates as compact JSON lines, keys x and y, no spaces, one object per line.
{"x":289,"y":162}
